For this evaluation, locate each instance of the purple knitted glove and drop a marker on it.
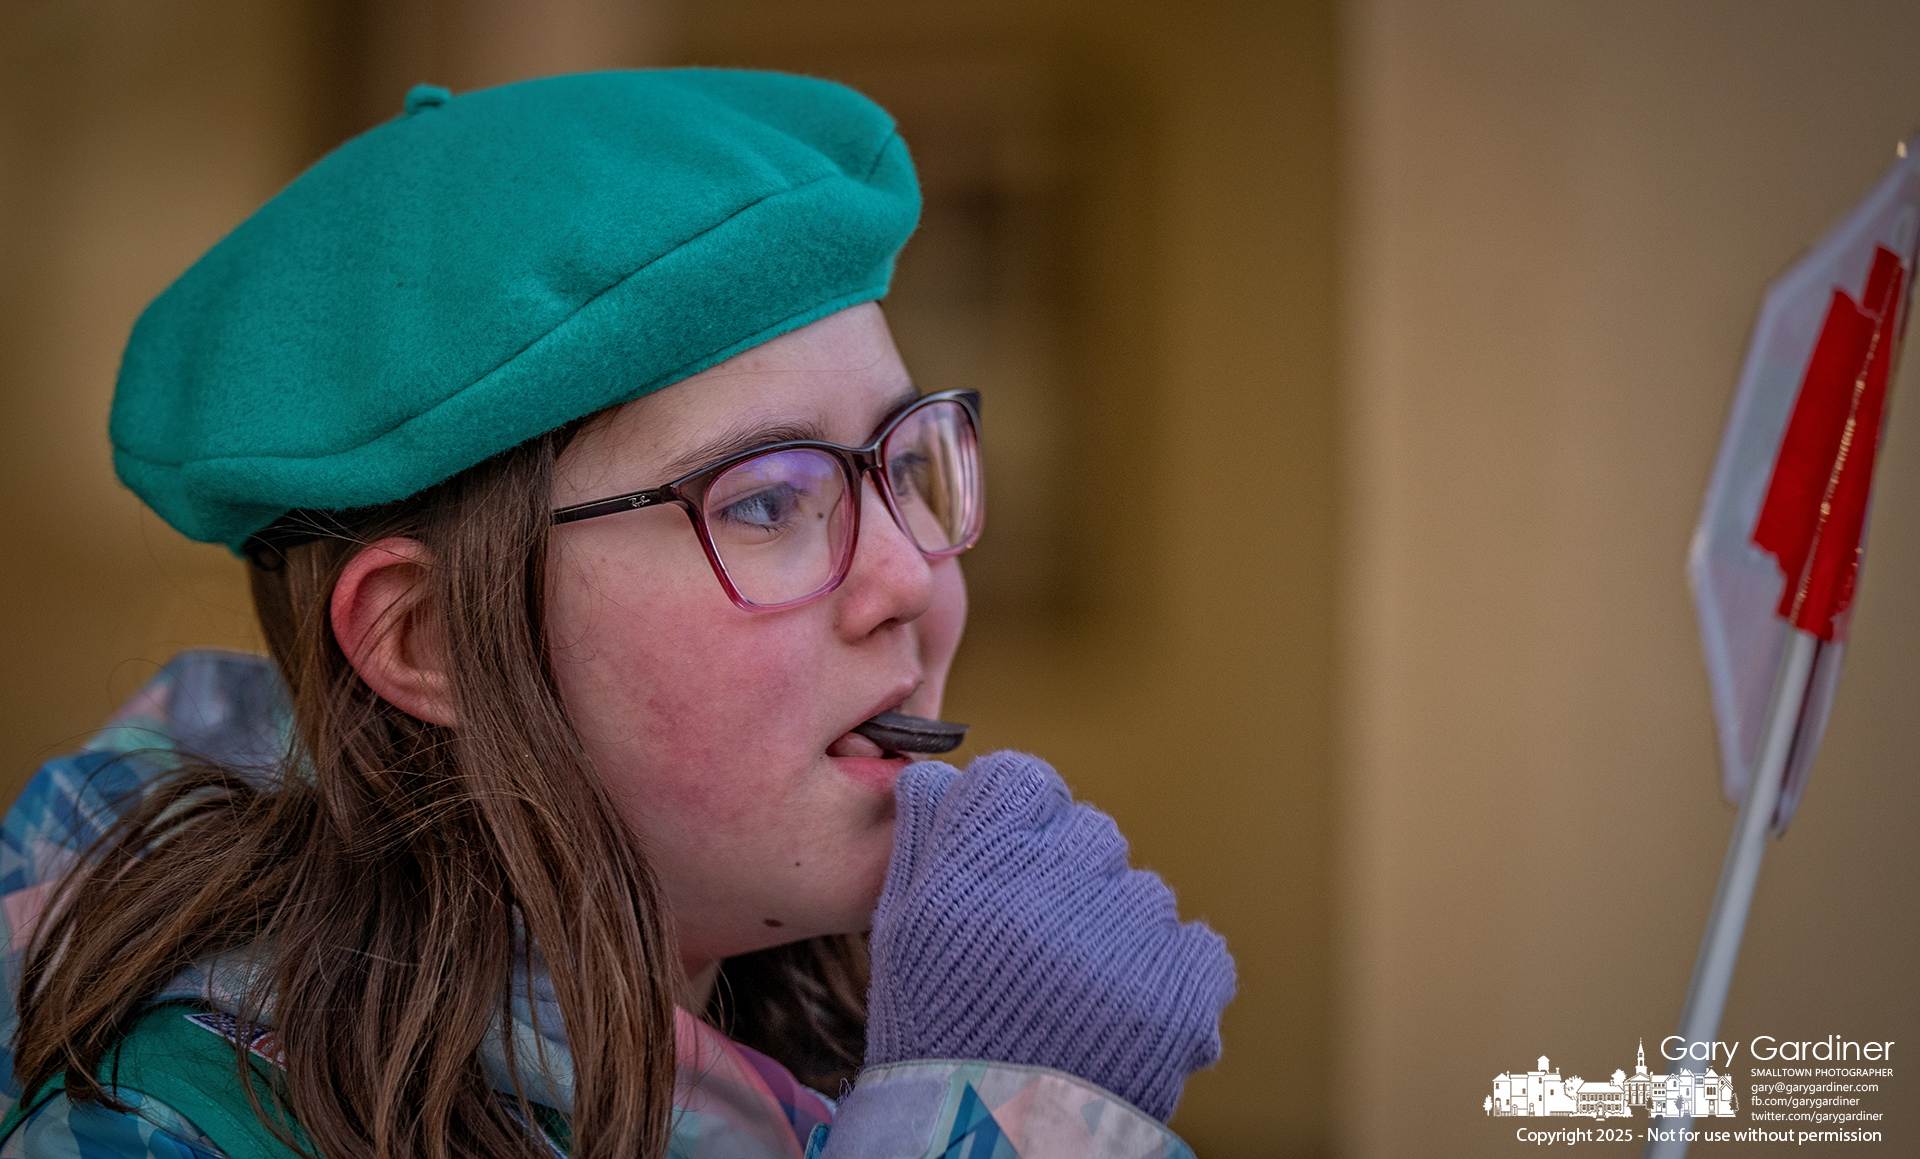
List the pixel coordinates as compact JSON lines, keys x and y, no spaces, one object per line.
{"x":1011,"y":930}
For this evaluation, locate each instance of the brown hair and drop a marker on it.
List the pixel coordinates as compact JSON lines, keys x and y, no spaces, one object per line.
{"x":404,"y":869}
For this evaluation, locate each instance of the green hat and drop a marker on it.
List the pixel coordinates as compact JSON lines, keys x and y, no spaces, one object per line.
{"x":490,"y":266}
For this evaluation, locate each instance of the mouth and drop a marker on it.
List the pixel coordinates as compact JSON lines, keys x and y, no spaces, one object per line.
{"x":856,"y":744}
{"x":912,"y":734}
{"x":891,"y":734}
{"x":867,"y":763}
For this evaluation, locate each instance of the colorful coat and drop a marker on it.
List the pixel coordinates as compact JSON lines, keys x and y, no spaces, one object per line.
{"x":730,"y":1102}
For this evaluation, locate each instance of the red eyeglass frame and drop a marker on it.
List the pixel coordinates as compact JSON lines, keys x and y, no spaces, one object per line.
{"x":689,"y":493}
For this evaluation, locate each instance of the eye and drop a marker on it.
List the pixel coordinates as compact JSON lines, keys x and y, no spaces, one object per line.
{"x":769,"y":509}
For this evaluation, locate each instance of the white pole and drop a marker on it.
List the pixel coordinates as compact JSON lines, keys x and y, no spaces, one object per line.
{"x":1720,"y":945}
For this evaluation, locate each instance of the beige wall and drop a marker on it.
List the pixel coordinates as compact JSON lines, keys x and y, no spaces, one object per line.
{"x":132,"y":136}
{"x":1559,"y":221}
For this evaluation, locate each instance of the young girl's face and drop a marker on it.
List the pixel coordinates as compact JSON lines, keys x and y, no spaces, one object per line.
{"x":723,"y":734}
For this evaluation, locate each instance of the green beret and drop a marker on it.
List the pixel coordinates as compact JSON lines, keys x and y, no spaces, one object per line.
{"x":490,"y":266}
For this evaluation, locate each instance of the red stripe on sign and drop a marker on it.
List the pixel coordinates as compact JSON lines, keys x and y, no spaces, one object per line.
{"x":1816,"y":505}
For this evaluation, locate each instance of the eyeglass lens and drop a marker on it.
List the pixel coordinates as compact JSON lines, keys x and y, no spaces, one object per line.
{"x":781,"y":524}
{"x":932,"y":466}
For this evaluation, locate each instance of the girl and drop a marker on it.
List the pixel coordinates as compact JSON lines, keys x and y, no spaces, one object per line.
{"x":592,"y":520}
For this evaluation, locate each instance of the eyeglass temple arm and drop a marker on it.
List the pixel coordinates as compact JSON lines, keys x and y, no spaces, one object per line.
{"x":599,"y":507}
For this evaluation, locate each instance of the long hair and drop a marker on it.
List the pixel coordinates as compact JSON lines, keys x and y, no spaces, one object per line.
{"x":385,"y":887}
{"x":804,"y":1003}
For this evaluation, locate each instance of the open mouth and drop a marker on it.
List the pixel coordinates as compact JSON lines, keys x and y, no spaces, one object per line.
{"x":897,"y":732}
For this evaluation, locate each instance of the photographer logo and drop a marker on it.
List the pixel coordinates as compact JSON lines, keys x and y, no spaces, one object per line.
{"x":1676,"y":1096}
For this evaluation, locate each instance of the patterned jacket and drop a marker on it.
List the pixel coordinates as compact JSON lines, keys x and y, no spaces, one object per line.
{"x":730,"y":1102}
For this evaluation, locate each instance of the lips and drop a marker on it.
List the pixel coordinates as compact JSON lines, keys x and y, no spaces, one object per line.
{"x":866,"y":763}
{"x":851,"y":744}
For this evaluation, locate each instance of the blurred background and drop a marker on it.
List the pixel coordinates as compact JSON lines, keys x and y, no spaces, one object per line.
{"x":1353,"y":374}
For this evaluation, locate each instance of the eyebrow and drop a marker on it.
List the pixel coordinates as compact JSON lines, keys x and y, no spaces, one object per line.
{"x":750,"y":436}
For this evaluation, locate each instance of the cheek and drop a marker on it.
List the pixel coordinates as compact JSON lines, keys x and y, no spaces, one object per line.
{"x":686,"y":705}
{"x":669,"y":687}
{"x":943,"y":624}
{"x":709,"y":728}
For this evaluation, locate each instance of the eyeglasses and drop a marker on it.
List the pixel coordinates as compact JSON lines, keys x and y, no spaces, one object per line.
{"x":779,"y":523}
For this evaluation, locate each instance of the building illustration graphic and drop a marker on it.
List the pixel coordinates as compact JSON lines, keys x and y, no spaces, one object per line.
{"x":1542,"y":1091}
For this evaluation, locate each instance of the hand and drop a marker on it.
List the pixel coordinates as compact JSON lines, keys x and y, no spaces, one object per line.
{"x":1011,"y":929}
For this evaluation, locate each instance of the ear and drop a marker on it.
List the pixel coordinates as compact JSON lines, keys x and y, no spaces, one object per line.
{"x":385,"y":620}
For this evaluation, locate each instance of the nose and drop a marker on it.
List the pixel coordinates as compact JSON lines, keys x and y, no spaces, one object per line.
{"x":889,"y":581}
